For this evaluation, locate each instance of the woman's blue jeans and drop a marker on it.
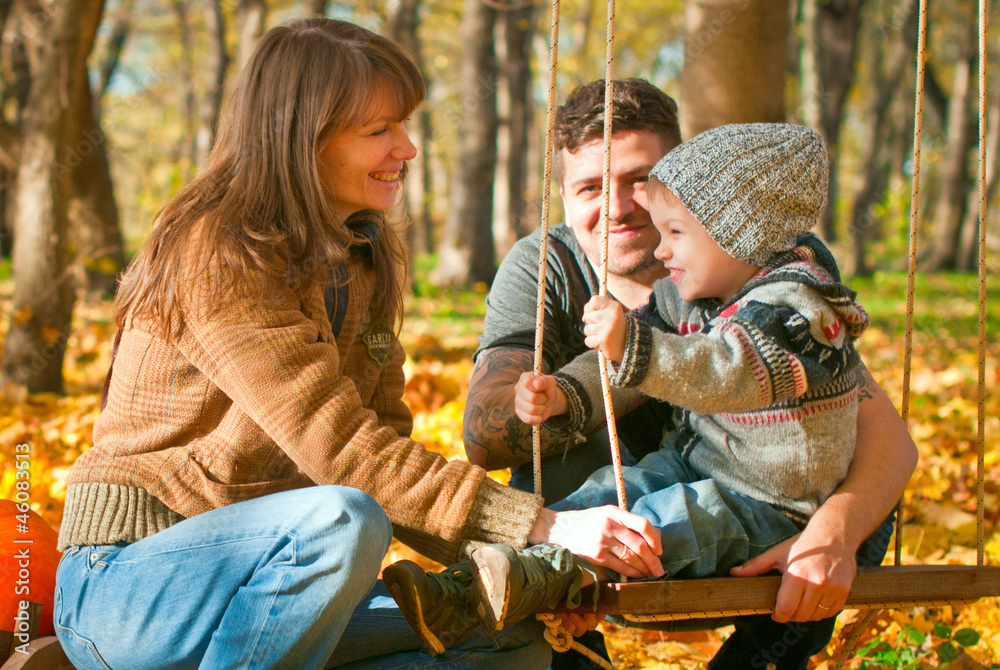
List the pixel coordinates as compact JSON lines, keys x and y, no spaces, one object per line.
{"x":268,"y":583}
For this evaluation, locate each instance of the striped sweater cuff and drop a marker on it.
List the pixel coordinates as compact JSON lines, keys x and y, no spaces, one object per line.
{"x":578,"y":409}
{"x":638,"y":350}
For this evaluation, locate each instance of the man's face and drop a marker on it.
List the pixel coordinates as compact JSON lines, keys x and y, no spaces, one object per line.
{"x":631,"y":235}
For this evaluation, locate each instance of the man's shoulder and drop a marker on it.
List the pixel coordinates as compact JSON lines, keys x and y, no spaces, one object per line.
{"x":561,"y":238}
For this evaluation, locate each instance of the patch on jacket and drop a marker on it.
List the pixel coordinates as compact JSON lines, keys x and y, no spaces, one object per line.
{"x":377,"y":338}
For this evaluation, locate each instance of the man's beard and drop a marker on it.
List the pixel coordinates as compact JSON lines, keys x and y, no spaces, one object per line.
{"x":630,"y":267}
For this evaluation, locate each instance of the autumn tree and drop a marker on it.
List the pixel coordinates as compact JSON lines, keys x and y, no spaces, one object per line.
{"x":734,"y":63}
{"x":828,"y":53}
{"x":466,"y":253}
{"x":59,"y":36}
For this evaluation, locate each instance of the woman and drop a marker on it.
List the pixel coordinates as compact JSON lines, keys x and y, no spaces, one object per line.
{"x":230,"y":513}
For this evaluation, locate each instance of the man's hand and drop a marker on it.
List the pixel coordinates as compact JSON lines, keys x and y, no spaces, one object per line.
{"x":538,"y":398}
{"x":816,"y":576}
{"x":605,"y":329}
{"x":578,"y":624}
{"x":606,"y":536}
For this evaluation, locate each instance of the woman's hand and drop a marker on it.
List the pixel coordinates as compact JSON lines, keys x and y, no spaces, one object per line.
{"x":817,"y":574}
{"x":538,"y":398}
{"x":605,"y":329}
{"x":606,"y":536}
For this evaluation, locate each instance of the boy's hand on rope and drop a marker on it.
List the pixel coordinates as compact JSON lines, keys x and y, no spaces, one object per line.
{"x":816,"y":577}
{"x":538,"y":398}
{"x":605,"y":329}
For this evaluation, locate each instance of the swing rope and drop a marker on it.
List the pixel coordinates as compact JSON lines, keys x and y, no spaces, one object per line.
{"x":981,"y":385}
{"x":543,"y":247}
{"x":918,"y":115}
{"x":609,"y":412}
{"x":556,"y":634}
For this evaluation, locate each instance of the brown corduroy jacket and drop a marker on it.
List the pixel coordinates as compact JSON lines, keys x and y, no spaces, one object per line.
{"x":261,"y":398}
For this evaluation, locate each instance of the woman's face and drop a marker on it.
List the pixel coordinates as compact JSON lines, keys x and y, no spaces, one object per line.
{"x":362,"y":165}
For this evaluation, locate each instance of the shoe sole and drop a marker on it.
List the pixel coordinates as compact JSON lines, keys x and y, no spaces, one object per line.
{"x":401,"y":582}
{"x":490,"y":592}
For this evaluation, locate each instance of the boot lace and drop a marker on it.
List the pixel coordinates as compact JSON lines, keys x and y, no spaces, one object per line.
{"x":455,"y":581}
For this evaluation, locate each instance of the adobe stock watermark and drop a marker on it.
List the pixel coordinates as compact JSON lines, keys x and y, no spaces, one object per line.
{"x":21,"y":548}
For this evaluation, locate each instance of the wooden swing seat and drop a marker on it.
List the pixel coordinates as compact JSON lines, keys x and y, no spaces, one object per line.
{"x":874,"y":588}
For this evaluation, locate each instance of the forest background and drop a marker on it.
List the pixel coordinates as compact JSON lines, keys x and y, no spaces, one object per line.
{"x":107,"y":107}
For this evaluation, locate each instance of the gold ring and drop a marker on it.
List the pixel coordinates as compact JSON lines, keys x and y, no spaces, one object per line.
{"x":822,"y":607}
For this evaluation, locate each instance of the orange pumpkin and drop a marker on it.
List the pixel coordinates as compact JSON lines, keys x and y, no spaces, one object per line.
{"x":27,"y":569}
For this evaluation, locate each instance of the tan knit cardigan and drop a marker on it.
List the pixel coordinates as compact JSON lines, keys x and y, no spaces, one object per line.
{"x":257,"y":399}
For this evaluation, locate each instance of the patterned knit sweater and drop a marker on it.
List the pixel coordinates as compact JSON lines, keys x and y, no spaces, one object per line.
{"x":765,"y":383}
{"x":262,"y":398}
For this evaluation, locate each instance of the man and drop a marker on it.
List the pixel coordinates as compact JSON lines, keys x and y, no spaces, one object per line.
{"x":819,"y":564}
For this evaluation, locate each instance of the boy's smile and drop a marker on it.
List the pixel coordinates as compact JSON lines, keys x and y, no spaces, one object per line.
{"x":698,"y":266}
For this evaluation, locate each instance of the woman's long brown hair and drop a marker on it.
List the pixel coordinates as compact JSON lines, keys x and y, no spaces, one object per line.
{"x":260,"y":207}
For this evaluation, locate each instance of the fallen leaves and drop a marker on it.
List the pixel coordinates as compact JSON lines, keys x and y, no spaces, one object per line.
{"x":440,"y":336}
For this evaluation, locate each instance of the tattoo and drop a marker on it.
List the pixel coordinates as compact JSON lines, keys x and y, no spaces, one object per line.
{"x":494,"y":436}
{"x":867,"y":386}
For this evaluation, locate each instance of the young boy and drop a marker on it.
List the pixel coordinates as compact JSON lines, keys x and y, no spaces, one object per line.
{"x":750,"y":337}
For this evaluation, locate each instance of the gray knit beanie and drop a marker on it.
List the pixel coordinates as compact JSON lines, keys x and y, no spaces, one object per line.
{"x":754,"y":186}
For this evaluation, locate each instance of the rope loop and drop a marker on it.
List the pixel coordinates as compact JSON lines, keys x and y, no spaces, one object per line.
{"x":561,"y":641}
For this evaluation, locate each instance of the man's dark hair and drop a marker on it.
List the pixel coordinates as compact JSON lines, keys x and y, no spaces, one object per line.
{"x":638,"y":105}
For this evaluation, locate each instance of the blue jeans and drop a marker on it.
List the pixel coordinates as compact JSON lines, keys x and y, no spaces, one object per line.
{"x":707,"y":529}
{"x":266,"y":583}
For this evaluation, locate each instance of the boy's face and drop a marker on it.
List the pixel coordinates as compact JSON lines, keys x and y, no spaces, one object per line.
{"x":698,"y":265}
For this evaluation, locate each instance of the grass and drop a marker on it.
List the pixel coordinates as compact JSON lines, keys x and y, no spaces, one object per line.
{"x":945,"y":304}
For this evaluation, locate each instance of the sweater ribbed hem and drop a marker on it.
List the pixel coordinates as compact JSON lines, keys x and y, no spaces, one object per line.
{"x":108,"y":513}
{"x":500,"y":514}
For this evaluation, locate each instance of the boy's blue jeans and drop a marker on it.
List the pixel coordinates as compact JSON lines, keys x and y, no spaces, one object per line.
{"x":272,"y":582}
{"x":708,"y":529}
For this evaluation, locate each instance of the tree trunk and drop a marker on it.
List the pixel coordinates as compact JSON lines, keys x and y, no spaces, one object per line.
{"x":954,"y":172}
{"x":519,"y":29}
{"x":969,"y":243}
{"x":832,"y":30}
{"x":43,"y":293}
{"x":93,"y":211}
{"x":467,"y":252}
{"x":734,"y":63}
{"x":401,"y":26}
{"x":217,"y":63}
{"x":188,"y":149}
{"x":251,"y":17}
{"x":318,"y":7}
{"x":876,"y":164}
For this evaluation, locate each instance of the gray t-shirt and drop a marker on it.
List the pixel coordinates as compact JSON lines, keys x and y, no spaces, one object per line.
{"x":570,"y":282}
